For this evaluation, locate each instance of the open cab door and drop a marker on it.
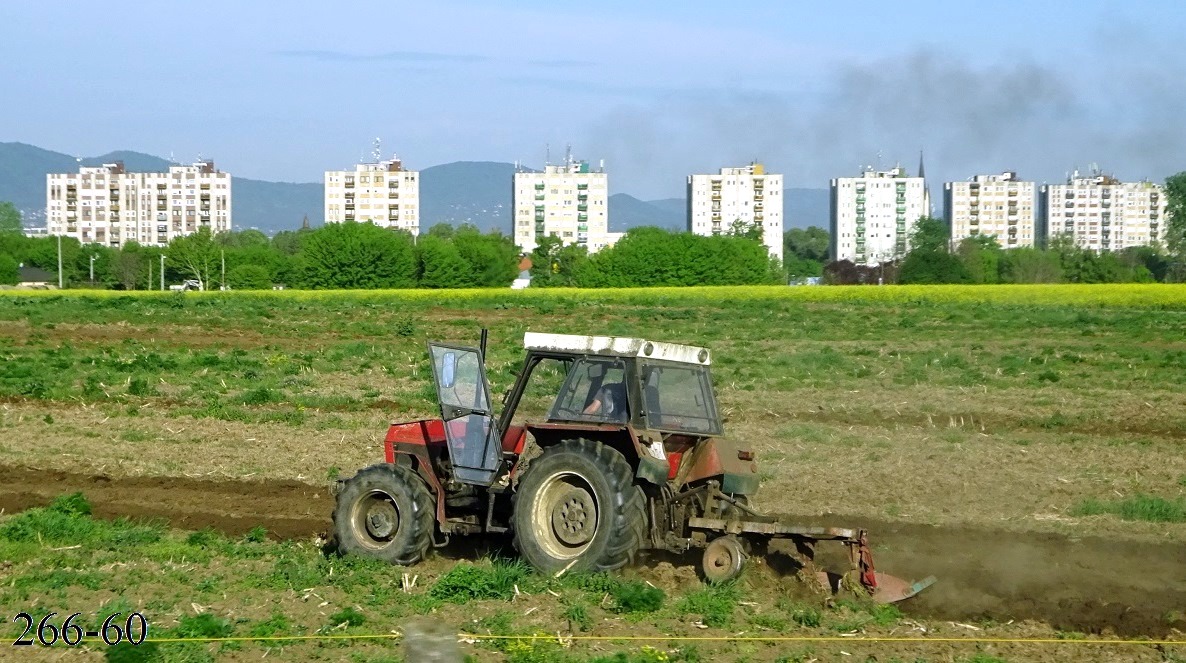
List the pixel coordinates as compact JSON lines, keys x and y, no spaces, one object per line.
{"x":464,"y":397}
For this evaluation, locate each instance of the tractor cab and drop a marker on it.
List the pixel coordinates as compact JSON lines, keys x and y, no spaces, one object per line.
{"x":651,"y":386}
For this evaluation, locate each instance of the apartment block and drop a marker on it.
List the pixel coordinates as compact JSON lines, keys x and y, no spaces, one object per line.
{"x":999,"y":206}
{"x":873,"y":215}
{"x":382,"y":193}
{"x":569,"y":201}
{"x":1102,"y":213}
{"x":748,"y":195}
{"x":108,"y":205}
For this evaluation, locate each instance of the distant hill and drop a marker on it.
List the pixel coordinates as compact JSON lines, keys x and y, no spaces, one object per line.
{"x":268,"y":206}
{"x":626,"y":212}
{"x":476,"y":192}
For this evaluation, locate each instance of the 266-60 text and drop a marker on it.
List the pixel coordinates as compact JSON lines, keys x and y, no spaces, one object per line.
{"x":114,"y":630}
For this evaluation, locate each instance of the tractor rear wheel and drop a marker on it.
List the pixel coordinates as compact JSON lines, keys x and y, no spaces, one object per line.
{"x":386,"y":512}
{"x":577,"y":508}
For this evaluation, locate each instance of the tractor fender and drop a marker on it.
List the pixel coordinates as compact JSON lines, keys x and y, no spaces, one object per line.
{"x":414,"y":444}
{"x":623,"y":438}
{"x":729,"y":462}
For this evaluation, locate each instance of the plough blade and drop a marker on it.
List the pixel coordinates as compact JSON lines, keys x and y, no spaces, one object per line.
{"x":889,"y":589}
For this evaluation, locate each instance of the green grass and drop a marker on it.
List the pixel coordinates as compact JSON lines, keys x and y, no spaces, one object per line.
{"x":1146,"y":508}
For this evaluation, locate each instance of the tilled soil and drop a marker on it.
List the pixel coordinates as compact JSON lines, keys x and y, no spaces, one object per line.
{"x":1088,"y":584}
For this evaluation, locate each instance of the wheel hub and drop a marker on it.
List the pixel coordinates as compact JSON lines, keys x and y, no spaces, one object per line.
{"x":723,"y":559}
{"x":381,"y":520}
{"x":574,"y":517}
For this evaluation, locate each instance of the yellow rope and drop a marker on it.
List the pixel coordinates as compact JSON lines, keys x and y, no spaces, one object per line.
{"x":703,"y":638}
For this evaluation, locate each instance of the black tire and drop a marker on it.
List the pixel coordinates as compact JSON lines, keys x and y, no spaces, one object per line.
{"x":386,"y":512}
{"x":577,"y":508}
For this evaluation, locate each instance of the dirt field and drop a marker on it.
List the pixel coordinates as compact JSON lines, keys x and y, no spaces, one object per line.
{"x":966,"y":436}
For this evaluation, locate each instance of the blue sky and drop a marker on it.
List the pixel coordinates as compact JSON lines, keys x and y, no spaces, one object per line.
{"x":815,"y":90}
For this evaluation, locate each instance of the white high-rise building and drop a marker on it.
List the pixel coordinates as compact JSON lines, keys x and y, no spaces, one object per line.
{"x":1102,"y":213}
{"x":748,"y":195}
{"x":569,"y":201}
{"x":108,"y":205}
{"x":873,"y":215}
{"x":382,"y":193}
{"x":999,"y":206}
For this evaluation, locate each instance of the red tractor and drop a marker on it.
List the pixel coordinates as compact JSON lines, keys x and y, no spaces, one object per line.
{"x":626,"y":453}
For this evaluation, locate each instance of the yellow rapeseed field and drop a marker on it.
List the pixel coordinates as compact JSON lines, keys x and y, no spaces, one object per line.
{"x":1131,"y":295}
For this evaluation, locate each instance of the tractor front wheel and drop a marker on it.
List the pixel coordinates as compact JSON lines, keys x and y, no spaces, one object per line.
{"x":386,"y":512}
{"x":577,"y":508}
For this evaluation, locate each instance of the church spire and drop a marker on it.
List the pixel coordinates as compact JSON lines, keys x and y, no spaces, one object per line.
{"x":922,"y":171}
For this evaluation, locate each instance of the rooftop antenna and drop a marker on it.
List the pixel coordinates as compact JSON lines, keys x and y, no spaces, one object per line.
{"x":547,"y":154}
{"x":378,"y":153}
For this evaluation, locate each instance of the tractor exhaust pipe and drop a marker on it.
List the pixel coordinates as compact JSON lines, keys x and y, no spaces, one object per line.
{"x":482,"y":343}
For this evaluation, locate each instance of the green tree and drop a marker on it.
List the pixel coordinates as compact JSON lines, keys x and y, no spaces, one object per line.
{"x":1175,"y":226}
{"x":249,"y":277}
{"x":10,"y":218}
{"x":10,"y":273}
{"x":194,"y":256}
{"x":981,"y":257}
{"x":752,"y":230}
{"x":1030,"y":265}
{"x":128,"y":265}
{"x":928,"y":260}
{"x":241,"y":239}
{"x":441,"y":265}
{"x":357,"y":255}
{"x":931,"y":267}
{"x":555,"y":265}
{"x":288,"y":242}
{"x":441,"y":230}
{"x":492,"y":259}
{"x":930,"y":235}
{"x":806,"y":244}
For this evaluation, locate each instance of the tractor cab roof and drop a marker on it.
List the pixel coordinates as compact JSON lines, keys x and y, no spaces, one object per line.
{"x":616,"y":346}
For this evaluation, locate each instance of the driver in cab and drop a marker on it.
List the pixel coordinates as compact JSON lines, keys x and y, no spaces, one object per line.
{"x":609,"y":402}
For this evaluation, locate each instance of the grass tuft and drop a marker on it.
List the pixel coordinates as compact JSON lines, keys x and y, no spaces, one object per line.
{"x":466,"y":582}
{"x":1145,"y":508}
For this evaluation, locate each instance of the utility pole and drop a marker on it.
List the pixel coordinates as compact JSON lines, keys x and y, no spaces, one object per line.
{"x":162,"y":272}
{"x":59,"y":262}
{"x":222,"y":285}
{"x":149,"y":286}
{"x":93,"y":269}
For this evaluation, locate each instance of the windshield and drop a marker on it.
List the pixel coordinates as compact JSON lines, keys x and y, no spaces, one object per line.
{"x":594,"y":391}
{"x":679,"y":398}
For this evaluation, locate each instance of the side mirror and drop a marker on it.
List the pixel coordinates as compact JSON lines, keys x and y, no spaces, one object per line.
{"x":448,"y":369}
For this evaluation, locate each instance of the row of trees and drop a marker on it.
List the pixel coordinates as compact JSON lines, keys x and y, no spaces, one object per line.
{"x":980,"y":259}
{"x":346,"y":255}
{"x":649,"y":256}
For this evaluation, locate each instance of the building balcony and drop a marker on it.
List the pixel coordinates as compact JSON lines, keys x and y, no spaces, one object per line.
{"x":1012,"y":193}
{"x":759,"y":216}
{"x":581,"y":186}
{"x":582,"y":217}
{"x":758,"y":195}
{"x":539,"y":196}
{"x":350,"y":206}
{"x":539,"y":186}
{"x":582,"y":208}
